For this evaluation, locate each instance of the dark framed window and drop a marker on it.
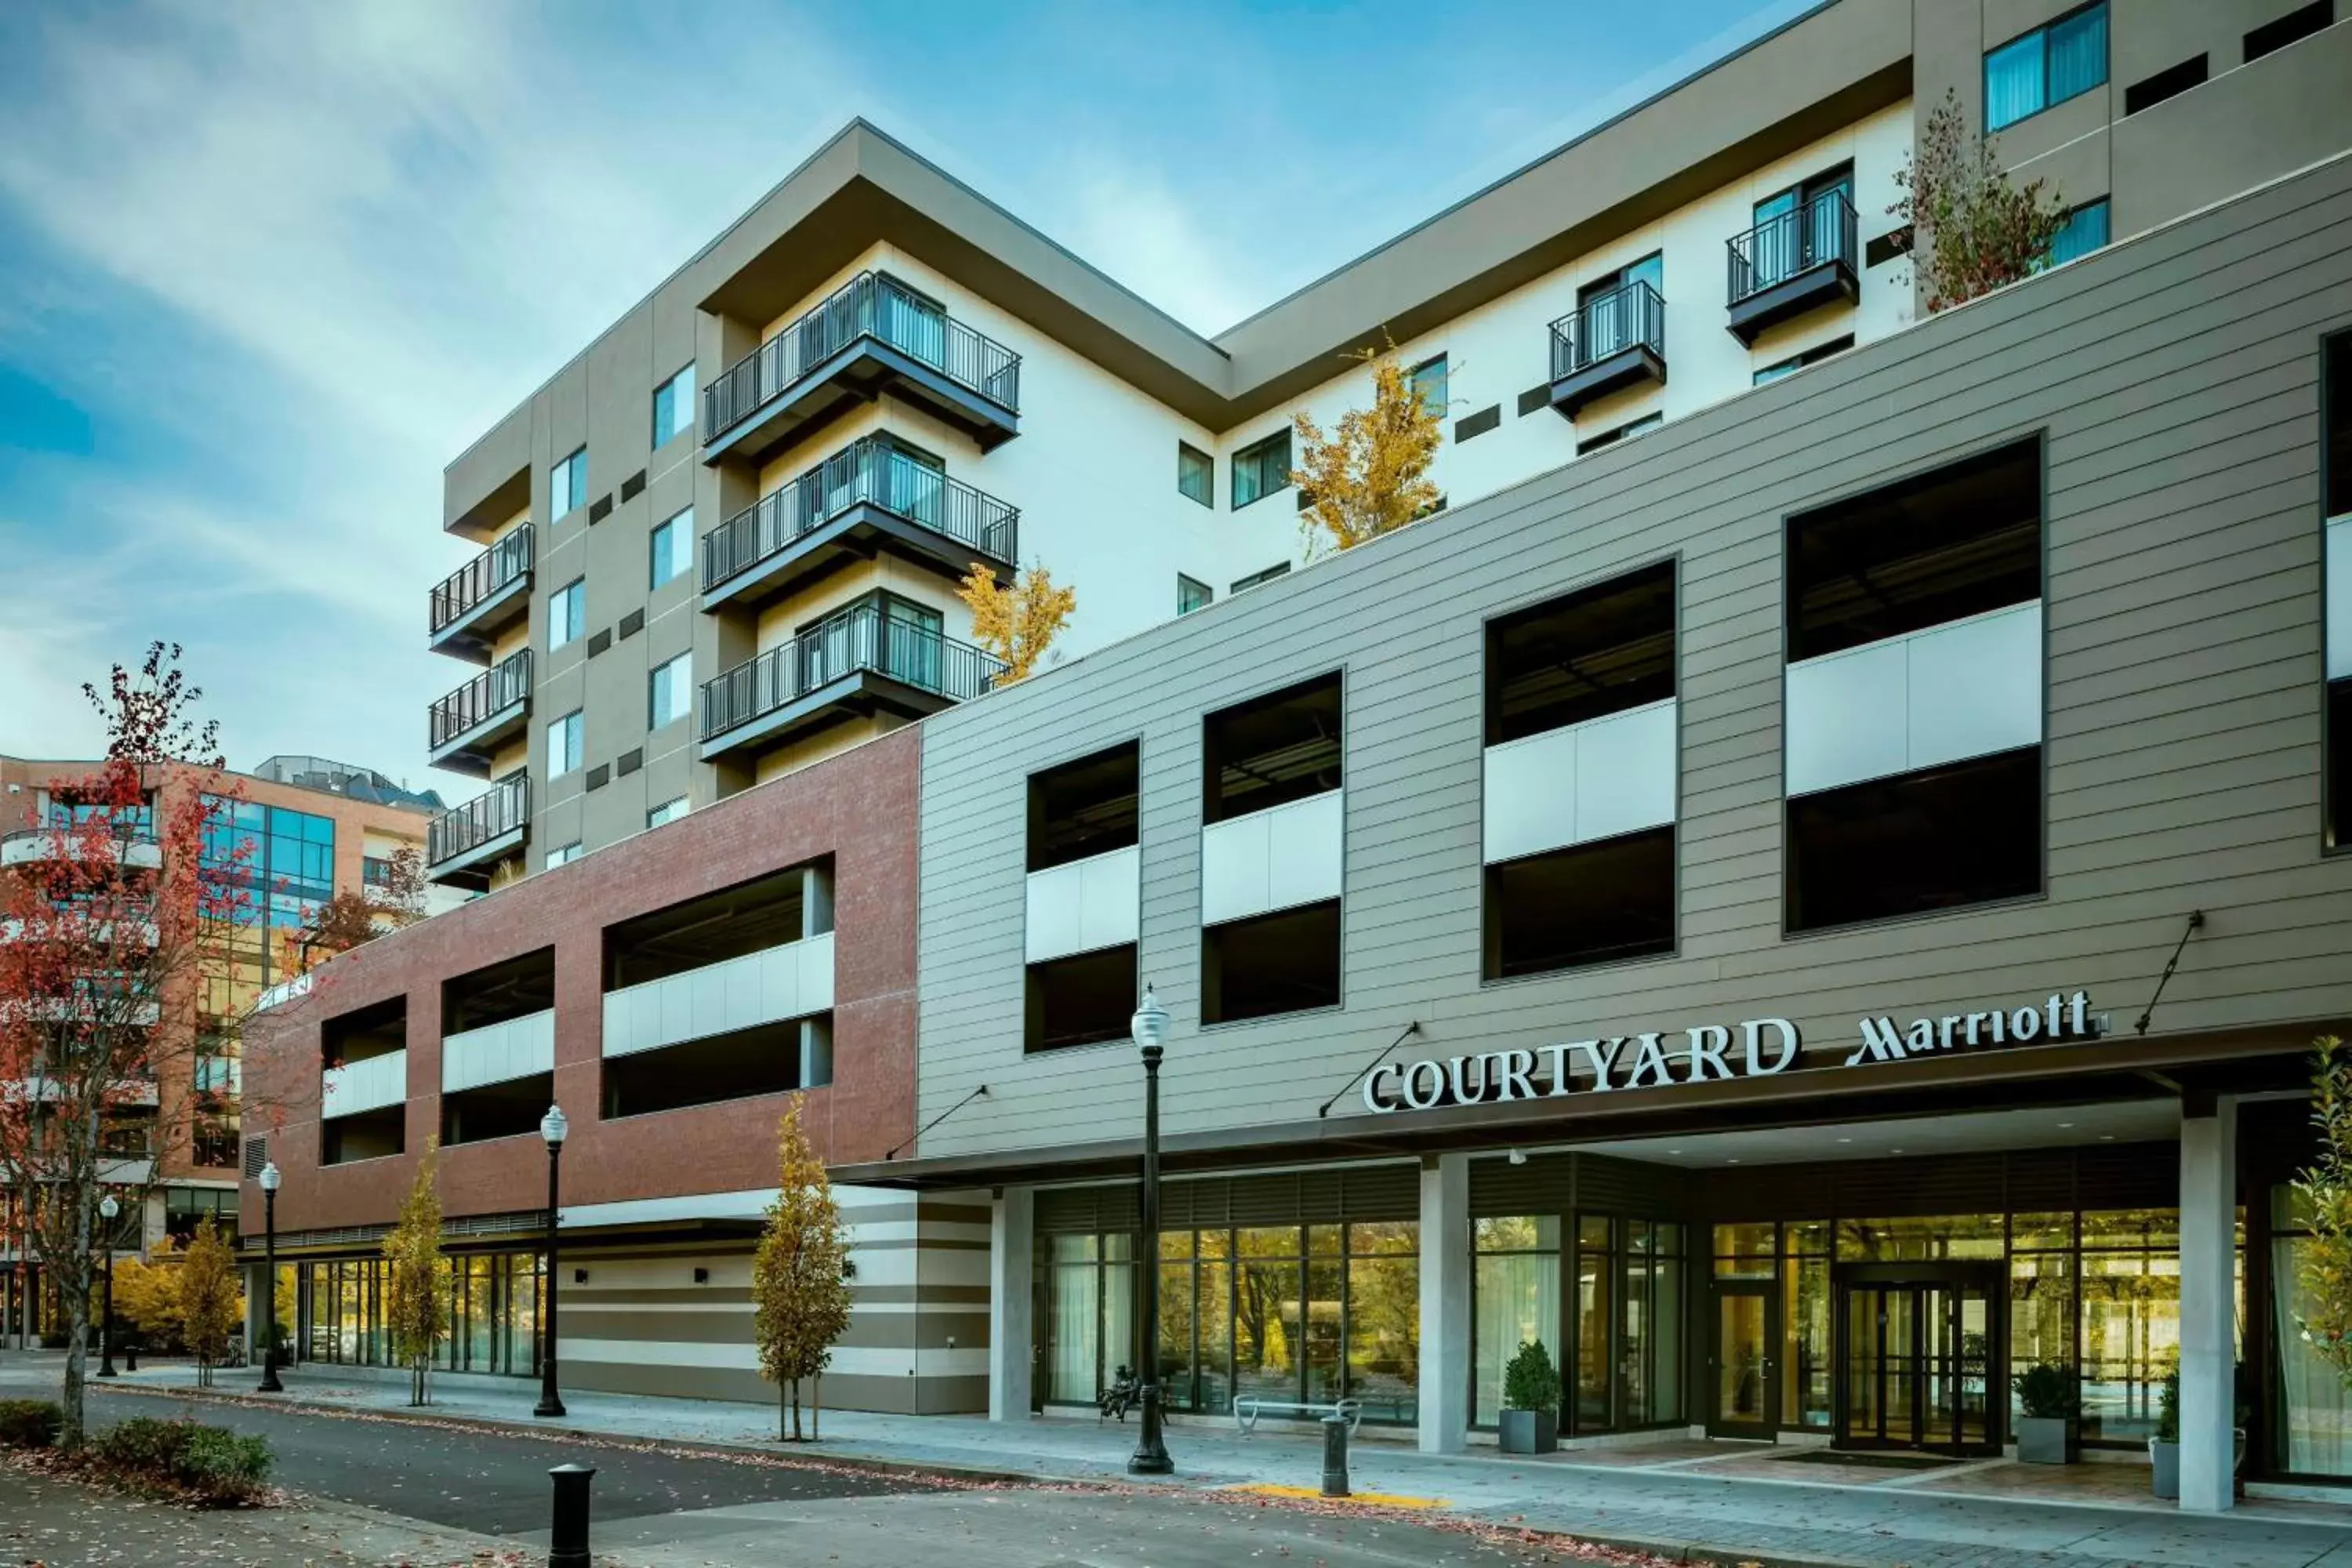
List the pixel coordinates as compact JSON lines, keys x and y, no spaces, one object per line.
{"x":1192,"y":594}
{"x":1587,"y":904}
{"x":1798,"y":362}
{"x":1426,"y":380}
{"x":1261,"y":468}
{"x":1916,"y":842}
{"x":1196,"y":474}
{"x":1086,"y":999}
{"x":1600,"y":650}
{"x":567,"y":484}
{"x":2170,"y":82}
{"x":1286,"y":962}
{"x":673,"y":548}
{"x":2086,"y":231}
{"x":2292,"y":28}
{"x":2036,"y":70}
{"x":1610,"y":437}
{"x":2336,"y":476}
{"x":1272,"y":749}
{"x":1256,"y":579}
{"x":674,"y":405}
{"x":1084,"y":808}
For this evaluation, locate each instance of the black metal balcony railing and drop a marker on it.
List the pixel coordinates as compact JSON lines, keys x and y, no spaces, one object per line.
{"x":1631,"y":315}
{"x":1823,"y":230}
{"x":863,"y":637}
{"x":870,"y":473}
{"x":482,"y":576}
{"x":501,"y":808}
{"x":869,"y":305}
{"x":502,"y":686}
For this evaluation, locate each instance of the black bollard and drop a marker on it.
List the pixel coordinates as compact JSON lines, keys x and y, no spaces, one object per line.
{"x":1334,"y":1456}
{"x":567,"y":1542}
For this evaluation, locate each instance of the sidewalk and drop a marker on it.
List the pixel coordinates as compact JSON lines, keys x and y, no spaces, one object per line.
{"x":1684,"y":1498}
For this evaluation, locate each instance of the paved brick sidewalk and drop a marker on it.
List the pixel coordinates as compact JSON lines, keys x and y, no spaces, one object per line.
{"x":1890,"y":1523}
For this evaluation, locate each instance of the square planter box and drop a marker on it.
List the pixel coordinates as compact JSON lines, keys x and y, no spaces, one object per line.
{"x":2164,"y":1462}
{"x":2045,"y":1440}
{"x":1530,"y":1431}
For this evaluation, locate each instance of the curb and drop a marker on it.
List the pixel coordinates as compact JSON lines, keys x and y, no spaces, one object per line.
{"x":1694,"y":1551}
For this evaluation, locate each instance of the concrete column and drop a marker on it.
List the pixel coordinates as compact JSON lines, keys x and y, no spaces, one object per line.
{"x":2209,"y":1194}
{"x":1012,"y":1242}
{"x":1444,"y":1304}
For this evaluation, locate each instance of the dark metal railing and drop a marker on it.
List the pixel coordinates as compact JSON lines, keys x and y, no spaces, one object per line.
{"x":1823,"y":230}
{"x":500,"y":686}
{"x":870,"y":305}
{"x":872,"y":472}
{"x":1629,"y":315}
{"x":482,"y":576}
{"x":501,"y":808}
{"x":862,"y":638}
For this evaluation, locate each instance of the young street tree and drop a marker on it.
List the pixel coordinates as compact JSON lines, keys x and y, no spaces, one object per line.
{"x":210,"y":1301}
{"x":1370,"y":476}
{"x":1018,"y":624}
{"x":799,"y":1276}
{"x":107,"y":948}
{"x":2323,"y":1263}
{"x":1971,"y":231}
{"x":353,"y":917}
{"x":417,"y":1277}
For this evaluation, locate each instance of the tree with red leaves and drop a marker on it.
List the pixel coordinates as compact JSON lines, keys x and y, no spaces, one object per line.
{"x":107,"y":934}
{"x":352,"y":918}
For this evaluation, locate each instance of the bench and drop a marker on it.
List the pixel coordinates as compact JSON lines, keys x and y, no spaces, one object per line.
{"x":1249,"y":1407}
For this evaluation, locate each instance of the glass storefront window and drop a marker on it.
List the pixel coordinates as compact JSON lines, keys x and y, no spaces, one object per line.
{"x":2313,"y":1431}
{"x":2131,"y":1338}
{"x":1384,"y":1333}
{"x":2042,"y":1309}
{"x":2041,"y":1232}
{"x":1807,"y":1345}
{"x":2156,"y":1228}
{"x":1073,"y":1319}
{"x":1743,"y":1251}
{"x":1921,"y":1238}
{"x":1515,"y":1300}
{"x":1591,"y":1374}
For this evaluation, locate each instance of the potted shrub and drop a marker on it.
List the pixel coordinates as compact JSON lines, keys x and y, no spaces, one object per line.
{"x":2046,"y":1427}
{"x":2164,"y":1449}
{"x":1530,"y":1423}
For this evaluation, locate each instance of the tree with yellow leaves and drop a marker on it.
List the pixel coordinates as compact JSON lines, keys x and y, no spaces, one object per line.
{"x":209,"y":1299}
{"x":1018,"y":624}
{"x":800,"y":1276}
{"x":417,"y":1277}
{"x":1370,"y":476}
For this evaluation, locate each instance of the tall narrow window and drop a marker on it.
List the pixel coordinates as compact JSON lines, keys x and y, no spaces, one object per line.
{"x":1191,"y":596}
{"x":1426,"y":382}
{"x":2045,"y":67}
{"x":567,"y":484}
{"x":566,"y":738}
{"x":673,"y":406}
{"x":673,"y":548}
{"x":1084,"y":897}
{"x":669,"y":691}
{"x":2336,"y":458}
{"x":1913,"y":717}
{"x":2086,"y":231}
{"x":1580,"y":778}
{"x":1196,"y":475}
{"x":567,"y":613}
{"x":1261,"y":468}
{"x":1272,"y":843}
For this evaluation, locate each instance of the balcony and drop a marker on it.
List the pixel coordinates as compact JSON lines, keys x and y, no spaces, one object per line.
{"x":1794,"y":262}
{"x":135,"y":847}
{"x":1611,"y":343}
{"x":867,"y":498}
{"x":482,"y":598}
{"x":872,"y":334}
{"x":466,"y":729}
{"x":860,"y":662}
{"x":462,"y":846}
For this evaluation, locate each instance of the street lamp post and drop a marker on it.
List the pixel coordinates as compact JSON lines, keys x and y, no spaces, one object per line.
{"x":107,"y":1208}
{"x":269,"y":1180}
{"x":1149,"y":1027}
{"x":552,"y":1127}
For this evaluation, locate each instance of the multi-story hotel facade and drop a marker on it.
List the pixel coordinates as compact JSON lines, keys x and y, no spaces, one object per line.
{"x":1811,"y":913}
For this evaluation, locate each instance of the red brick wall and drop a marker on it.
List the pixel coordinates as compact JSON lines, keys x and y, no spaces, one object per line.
{"x":860,"y":808}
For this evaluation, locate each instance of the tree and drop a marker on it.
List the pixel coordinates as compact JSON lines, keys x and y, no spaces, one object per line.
{"x":1980,"y":231}
{"x":800,"y":1275}
{"x":2324,"y":1262}
{"x":1370,"y":476}
{"x":210,"y":1303}
{"x":1016,"y":625}
{"x":108,"y":940}
{"x":353,"y":917}
{"x":417,"y":1277}
{"x":147,"y":1297}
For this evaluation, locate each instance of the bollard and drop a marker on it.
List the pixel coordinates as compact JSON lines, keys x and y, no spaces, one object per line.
{"x":1334,"y":1456}
{"x":567,"y":1542}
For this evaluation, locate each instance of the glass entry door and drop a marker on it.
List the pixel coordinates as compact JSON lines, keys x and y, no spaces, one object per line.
{"x":1739,"y":1361}
{"x":1915,"y":1362}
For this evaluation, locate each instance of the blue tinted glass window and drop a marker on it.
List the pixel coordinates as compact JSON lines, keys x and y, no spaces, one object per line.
{"x":2013,"y":81}
{"x":2077,"y":53}
{"x":674,"y":405}
{"x":2047,"y":65}
{"x":2086,"y":231}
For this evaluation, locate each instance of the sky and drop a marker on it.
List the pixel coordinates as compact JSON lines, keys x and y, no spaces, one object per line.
{"x":266,"y":265}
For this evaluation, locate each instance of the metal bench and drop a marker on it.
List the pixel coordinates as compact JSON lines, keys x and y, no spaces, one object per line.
{"x":1249,"y":1407}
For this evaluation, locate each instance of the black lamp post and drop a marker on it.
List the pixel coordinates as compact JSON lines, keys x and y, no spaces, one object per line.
{"x":1149,"y":1027}
{"x":269,"y":1178}
{"x":107,"y":1208}
{"x":552,"y":1127}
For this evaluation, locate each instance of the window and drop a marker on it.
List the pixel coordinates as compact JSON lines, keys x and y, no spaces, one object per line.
{"x":669,"y":811}
{"x":1610,"y":437}
{"x":1272,"y":749}
{"x":1081,"y":979}
{"x":1085,"y":999}
{"x":2335,"y":471}
{"x":673,"y":548}
{"x":1286,"y":962}
{"x":567,"y":614}
{"x":670,"y":691}
{"x":2295,"y":26}
{"x":1799,"y":228}
{"x":1613,"y":313}
{"x":2170,"y":82}
{"x":567,"y":484}
{"x":2086,"y":231}
{"x":673,"y":406}
{"x":566,"y":738}
{"x":1261,"y":468}
{"x":1196,"y":474}
{"x":2045,"y":67}
{"x":564,"y":855}
{"x":1191,"y":596}
{"x":1241,"y":584}
{"x":1814,"y":355}
{"x":1085,"y":808}
{"x":1426,"y":380}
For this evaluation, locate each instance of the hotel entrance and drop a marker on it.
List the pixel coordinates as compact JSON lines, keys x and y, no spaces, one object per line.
{"x":1917,"y":1349}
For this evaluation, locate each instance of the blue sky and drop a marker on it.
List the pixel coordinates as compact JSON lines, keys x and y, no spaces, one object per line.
{"x":266,"y":265}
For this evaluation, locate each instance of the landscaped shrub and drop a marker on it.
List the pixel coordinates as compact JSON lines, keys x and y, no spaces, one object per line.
{"x":29,"y":1422}
{"x":183,"y":1459}
{"x":1530,"y":1382}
